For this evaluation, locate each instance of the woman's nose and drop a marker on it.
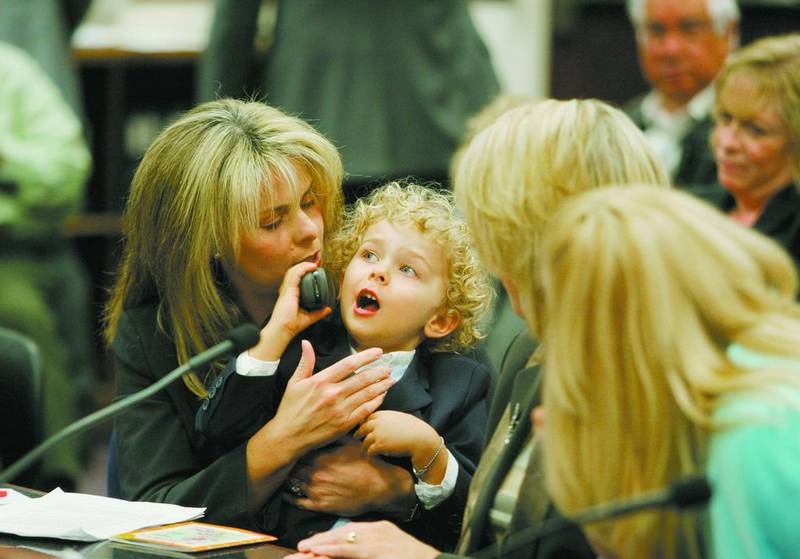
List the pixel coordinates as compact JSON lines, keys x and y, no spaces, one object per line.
{"x":726,"y":137}
{"x":305,"y":228}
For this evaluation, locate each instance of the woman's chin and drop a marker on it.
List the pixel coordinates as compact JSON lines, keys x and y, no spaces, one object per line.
{"x":733,"y":185}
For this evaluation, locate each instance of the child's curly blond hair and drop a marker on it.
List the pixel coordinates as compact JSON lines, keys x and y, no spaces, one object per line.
{"x":434,"y":213}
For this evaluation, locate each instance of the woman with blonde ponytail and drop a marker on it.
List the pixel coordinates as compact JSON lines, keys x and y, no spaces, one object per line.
{"x":672,"y":347}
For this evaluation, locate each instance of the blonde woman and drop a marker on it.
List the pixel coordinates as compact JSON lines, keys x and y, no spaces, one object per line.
{"x":672,"y":347}
{"x":410,"y":284}
{"x":756,"y":138}
{"x":229,"y":207}
{"x":510,"y":180}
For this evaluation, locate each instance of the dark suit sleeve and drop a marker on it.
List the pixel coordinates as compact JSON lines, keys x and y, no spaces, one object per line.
{"x":237,"y":406}
{"x":463,"y":433}
{"x":158,"y":453}
{"x":514,"y":360}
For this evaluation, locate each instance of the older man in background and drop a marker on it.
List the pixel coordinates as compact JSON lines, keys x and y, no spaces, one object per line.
{"x":682,"y":46}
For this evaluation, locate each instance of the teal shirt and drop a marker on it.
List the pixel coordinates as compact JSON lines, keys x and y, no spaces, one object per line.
{"x":44,"y":160}
{"x":754,"y":470}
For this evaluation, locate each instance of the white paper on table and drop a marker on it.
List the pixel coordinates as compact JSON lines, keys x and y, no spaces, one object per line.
{"x":12,"y":496}
{"x":80,"y":517}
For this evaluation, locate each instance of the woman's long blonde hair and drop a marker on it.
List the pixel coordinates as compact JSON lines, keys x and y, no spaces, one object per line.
{"x":518,"y":171}
{"x":198,"y":188}
{"x":644,"y":290}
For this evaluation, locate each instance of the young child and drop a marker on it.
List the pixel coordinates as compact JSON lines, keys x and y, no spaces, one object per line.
{"x":410,"y":284}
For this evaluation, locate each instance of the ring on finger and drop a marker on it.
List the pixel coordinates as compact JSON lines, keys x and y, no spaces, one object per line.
{"x":351,"y":537}
{"x":295,"y":489}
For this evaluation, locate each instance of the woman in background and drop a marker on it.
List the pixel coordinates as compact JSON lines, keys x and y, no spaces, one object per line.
{"x":756,"y":138}
{"x":672,"y":347}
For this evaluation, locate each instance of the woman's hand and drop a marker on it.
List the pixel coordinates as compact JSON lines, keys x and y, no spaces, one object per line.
{"x":365,"y":540}
{"x":314,"y":410}
{"x":287,"y":319}
{"x":344,"y":482}
{"x":317,"y":409}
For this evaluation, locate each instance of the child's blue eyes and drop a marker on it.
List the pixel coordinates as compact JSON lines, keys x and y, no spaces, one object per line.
{"x":408,"y":270}
{"x":369,"y":256}
{"x":372,"y":257}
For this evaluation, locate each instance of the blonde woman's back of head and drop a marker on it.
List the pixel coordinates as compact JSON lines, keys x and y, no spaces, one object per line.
{"x":518,"y":171}
{"x":644,"y":290}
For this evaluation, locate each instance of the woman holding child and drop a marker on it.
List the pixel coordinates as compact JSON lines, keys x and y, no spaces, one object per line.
{"x":225,"y":202}
{"x":410,"y":284}
{"x":229,"y":207}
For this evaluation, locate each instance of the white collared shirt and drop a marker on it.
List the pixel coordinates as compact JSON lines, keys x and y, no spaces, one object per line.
{"x":665,"y":130}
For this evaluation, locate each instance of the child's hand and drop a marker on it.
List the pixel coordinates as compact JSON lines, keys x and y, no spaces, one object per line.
{"x":394,"y":433}
{"x":287,"y":318}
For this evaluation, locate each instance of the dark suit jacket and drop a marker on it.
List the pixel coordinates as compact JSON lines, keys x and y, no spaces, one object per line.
{"x":160,"y":458}
{"x":780,"y":219}
{"x":447,"y":391}
{"x":697,"y":165}
{"x":532,"y":506}
{"x":516,"y":394}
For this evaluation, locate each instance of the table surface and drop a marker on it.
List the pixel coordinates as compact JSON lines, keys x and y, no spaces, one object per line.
{"x":12,"y":547}
{"x":17,"y":547}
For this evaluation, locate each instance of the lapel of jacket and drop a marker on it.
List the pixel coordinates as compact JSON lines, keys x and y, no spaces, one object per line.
{"x":410,"y":394}
{"x":633,"y":109}
{"x":697,"y":164}
{"x":513,"y":432}
{"x":780,"y":210}
{"x":330,"y":344}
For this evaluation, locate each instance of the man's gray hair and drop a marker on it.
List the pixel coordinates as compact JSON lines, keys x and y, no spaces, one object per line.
{"x":722,"y":13}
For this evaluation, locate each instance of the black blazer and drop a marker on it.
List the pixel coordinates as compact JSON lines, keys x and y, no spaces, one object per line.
{"x":160,"y":458}
{"x":517,"y":393}
{"x":447,"y":391}
{"x":780,"y":219}
{"x":697,"y":165}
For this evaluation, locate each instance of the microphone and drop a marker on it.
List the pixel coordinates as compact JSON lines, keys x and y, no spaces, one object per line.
{"x":682,"y":493}
{"x":238,"y":340}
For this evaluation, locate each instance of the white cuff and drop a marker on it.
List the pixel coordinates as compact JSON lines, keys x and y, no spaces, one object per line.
{"x":432,"y":495}
{"x":249,"y":366}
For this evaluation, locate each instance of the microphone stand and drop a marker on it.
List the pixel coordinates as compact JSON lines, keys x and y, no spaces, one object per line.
{"x":683,"y":493}
{"x":122,"y":405}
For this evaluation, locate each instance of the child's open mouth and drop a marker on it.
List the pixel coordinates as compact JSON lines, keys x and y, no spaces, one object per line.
{"x":367,"y":301}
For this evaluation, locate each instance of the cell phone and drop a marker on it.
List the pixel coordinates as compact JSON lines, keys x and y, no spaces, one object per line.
{"x":316,"y":292}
